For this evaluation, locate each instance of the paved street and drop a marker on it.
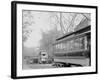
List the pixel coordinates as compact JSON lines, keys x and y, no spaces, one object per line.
{"x":84,"y":62}
{"x":37,"y":66}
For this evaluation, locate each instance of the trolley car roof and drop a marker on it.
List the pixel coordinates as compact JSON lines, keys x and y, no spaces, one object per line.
{"x":73,"y":35}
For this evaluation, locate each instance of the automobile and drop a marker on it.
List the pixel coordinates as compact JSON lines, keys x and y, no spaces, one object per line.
{"x":50,"y":60}
{"x":63,"y":64}
{"x":33,"y":60}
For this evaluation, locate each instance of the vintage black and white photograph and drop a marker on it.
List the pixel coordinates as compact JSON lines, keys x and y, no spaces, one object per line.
{"x":53,"y":39}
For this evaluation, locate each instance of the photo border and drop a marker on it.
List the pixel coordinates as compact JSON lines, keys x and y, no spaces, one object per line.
{"x":14,"y":38}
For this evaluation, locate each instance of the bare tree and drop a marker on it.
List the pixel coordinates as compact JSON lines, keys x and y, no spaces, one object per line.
{"x":28,"y":20}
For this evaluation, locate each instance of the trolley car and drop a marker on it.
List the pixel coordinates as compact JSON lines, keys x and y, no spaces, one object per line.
{"x":74,"y":47}
{"x":44,"y":58}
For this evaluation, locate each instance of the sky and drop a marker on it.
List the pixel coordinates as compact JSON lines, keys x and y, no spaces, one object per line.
{"x":42,"y":22}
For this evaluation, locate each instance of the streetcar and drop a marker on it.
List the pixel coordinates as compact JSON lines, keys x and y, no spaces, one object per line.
{"x":74,"y":48}
{"x":44,"y":58}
